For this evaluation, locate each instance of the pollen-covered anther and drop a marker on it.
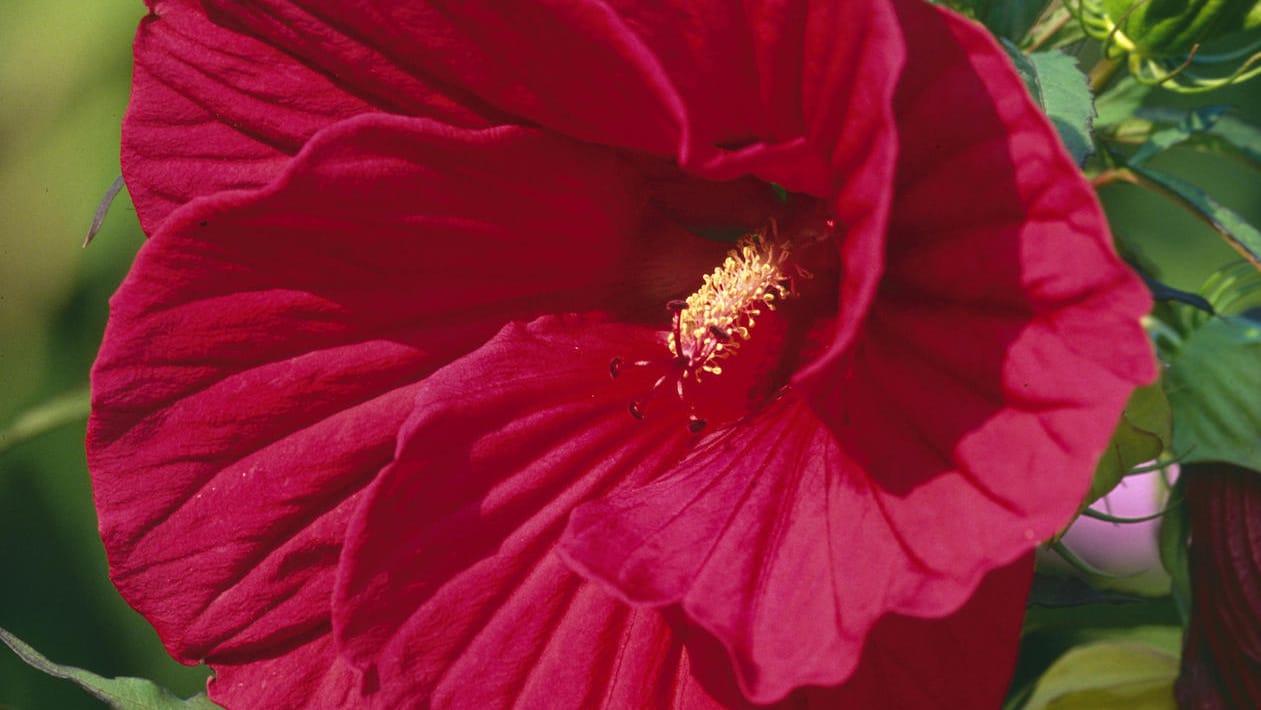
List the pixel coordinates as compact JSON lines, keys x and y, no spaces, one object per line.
{"x":719,"y":334}
{"x":710,"y":323}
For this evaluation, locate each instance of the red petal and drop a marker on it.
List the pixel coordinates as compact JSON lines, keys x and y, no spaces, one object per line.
{"x":768,"y":538}
{"x":225,"y":93}
{"x":450,"y":591}
{"x":452,"y":595}
{"x":782,"y":89}
{"x":573,"y":67}
{"x":266,"y":347}
{"x":763,"y":539}
{"x":786,"y":85}
{"x":990,"y":212}
{"x":214,"y":109}
{"x":999,"y":352}
{"x":304,"y":673}
{"x":962,"y":661}
{"x":1005,"y":339}
{"x":777,"y":80}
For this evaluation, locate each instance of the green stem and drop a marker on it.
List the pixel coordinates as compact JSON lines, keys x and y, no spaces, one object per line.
{"x":1102,"y":73}
{"x":1058,"y":19}
{"x":1111,"y":175}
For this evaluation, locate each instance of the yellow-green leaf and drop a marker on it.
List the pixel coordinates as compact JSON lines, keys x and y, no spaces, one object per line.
{"x":1108,"y":675}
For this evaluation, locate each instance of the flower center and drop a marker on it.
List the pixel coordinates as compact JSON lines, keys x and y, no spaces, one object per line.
{"x":715,"y":324}
{"x":710,"y":325}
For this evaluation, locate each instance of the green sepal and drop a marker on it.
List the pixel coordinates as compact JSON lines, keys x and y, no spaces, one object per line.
{"x":121,"y":693}
{"x":1145,"y":430}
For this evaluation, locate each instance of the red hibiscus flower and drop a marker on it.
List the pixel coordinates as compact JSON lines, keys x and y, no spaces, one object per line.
{"x":352,"y":443}
{"x":1221,"y":657}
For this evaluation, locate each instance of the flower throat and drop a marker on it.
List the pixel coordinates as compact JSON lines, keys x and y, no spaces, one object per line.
{"x":711,"y":324}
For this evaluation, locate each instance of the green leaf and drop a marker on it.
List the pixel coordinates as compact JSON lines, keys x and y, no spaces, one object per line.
{"x":1108,"y":675}
{"x":1143,"y":432}
{"x":1121,"y":102}
{"x":1012,"y":18}
{"x":1213,"y":385}
{"x":1229,"y":136}
{"x":120,"y":693}
{"x":1164,"y":292}
{"x":1233,"y":136}
{"x":1232,"y":290}
{"x":1060,"y":88}
{"x":1245,"y":238}
{"x":1241,"y":136}
{"x":1196,"y":121}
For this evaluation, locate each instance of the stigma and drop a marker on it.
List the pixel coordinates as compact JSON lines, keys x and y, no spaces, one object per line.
{"x":712,"y":322}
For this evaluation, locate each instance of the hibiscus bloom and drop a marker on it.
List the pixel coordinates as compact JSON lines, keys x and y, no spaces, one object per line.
{"x":441,"y":380}
{"x":1221,"y":656}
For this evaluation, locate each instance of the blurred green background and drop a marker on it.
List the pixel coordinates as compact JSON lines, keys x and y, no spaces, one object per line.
{"x":64,"y":75}
{"x":65,"y":69}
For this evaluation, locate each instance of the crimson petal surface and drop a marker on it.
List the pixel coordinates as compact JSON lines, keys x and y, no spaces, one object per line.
{"x":267,"y":346}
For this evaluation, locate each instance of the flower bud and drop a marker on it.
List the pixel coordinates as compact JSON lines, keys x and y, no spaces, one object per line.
{"x":1126,"y":551}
